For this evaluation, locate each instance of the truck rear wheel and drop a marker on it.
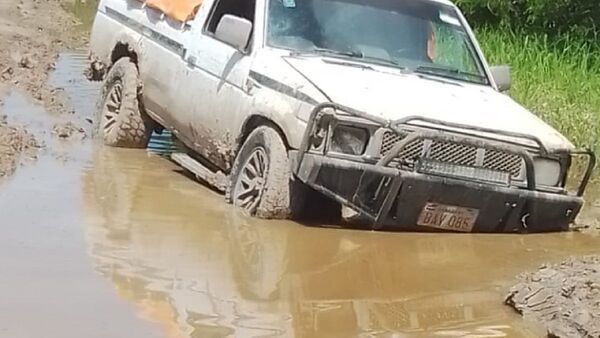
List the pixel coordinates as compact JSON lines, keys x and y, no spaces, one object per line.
{"x":261,"y":178}
{"x":120,"y":120}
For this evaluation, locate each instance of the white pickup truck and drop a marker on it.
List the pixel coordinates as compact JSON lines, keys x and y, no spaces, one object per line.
{"x":386,"y":107}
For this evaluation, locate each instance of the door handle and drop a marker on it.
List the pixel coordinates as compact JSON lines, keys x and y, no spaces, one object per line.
{"x":191,"y":60}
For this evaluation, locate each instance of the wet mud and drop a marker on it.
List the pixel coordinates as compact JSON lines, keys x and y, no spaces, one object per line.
{"x":16,"y":144}
{"x":564,"y":297}
{"x":589,"y":219}
{"x":28,"y":129}
{"x":31,"y":35}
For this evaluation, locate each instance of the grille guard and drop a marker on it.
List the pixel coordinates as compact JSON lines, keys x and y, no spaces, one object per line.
{"x":319,"y":115}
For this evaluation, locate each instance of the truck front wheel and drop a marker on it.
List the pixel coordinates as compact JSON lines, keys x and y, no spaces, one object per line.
{"x":261,"y":178}
{"x":121,"y":120}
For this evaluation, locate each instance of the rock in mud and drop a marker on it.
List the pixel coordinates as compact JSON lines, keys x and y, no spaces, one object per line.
{"x":565,"y":297}
{"x":96,"y":71}
{"x":28,"y":62}
{"x":68,"y":130}
{"x":6,"y":74}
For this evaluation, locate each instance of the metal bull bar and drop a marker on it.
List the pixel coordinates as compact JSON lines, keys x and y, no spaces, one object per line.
{"x":467,"y":137}
{"x":493,"y":145}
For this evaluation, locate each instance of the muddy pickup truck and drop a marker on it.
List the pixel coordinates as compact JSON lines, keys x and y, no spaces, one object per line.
{"x":388,"y":108}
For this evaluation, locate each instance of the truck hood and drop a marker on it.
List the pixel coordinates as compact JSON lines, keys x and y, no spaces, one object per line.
{"x":392,"y":95}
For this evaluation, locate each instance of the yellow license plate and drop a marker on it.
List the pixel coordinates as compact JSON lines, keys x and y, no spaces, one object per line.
{"x":448,"y":217}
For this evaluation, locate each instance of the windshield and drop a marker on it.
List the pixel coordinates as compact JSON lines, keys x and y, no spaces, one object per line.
{"x":422,"y":36}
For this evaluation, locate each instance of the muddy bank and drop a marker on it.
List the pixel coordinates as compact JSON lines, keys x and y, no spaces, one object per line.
{"x":32,"y":32}
{"x":15,"y":144}
{"x":564,"y":297}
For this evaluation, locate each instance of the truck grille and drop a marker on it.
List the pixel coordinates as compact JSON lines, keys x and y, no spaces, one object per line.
{"x":448,"y":152}
{"x":501,"y":161}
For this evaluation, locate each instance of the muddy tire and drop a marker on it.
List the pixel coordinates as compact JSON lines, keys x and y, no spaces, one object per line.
{"x":261,"y":178}
{"x":120,"y":119}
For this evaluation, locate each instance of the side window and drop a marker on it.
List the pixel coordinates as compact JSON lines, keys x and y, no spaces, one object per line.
{"x":242,"y":8}
{"x":453,"y":50}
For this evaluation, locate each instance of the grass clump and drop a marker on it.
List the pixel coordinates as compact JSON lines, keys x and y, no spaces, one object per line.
{"x":555,"y":17}
{"x":557,"y":79}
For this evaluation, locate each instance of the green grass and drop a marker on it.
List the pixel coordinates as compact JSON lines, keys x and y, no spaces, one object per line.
{"x":84,"y":10}
{"x":557,"y":80}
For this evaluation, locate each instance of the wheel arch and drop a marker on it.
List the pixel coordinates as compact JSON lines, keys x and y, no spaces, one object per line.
{"x":108,"y":44}
{"x":254,"y":121}
{"x":121,"y":49}
{"x":109,"y":50}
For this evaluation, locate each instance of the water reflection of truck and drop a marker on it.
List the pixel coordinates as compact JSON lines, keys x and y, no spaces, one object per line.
{"x":210,"y":272}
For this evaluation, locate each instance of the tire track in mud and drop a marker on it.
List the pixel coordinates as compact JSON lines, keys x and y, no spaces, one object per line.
{"x":564,"y":297}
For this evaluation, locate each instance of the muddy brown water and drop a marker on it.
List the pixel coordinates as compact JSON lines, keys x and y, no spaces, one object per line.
{"x":100,"y":242}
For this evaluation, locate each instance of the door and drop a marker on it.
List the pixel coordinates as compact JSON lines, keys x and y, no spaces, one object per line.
{"x":211,"y":99}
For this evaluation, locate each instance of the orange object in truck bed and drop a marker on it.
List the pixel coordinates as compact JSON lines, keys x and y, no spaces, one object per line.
{"x":181,"y":10}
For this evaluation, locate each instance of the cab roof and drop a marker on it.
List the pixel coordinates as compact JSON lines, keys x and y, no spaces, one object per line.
{"x":184,"y":10}
{"x":180,"y":10}
{"x":444,"y":2}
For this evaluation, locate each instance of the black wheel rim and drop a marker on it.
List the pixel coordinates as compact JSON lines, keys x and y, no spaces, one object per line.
{"x":251,"y":181}
{"x":112,"y":107}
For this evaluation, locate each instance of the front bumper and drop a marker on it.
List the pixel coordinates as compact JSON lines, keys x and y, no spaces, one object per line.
{"x":395,"y":198}
{"x":392,"y":198}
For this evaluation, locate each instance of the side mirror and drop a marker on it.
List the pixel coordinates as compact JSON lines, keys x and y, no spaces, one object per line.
{"x":501,"y":75}
{"x":234,"y":31}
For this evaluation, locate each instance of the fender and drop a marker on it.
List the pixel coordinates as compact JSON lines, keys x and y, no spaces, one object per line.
{"x":112,"y":40}
{"x":125,"y":44}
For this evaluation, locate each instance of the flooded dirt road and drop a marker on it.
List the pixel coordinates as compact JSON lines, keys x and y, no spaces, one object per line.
{"x":101,"y":242}
{"x":120,"y":243}
{"x":197,"y":267}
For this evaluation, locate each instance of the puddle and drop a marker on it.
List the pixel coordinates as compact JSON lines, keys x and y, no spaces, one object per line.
{"x":21,"y":110}
{"x":188,"y":261}
{"x":130,"y":247}
{"x":47,"y":274}
{"x":69,"y":76}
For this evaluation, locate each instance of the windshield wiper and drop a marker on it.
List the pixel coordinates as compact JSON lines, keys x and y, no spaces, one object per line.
{"x":359,"y":56}
{"x":440,"y":71}
{"x":383,"y":61}
{"x":352,"y":54}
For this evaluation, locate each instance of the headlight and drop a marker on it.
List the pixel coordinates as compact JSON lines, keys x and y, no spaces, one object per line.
{"x":349,"y":140}
{"x":547,"y":171}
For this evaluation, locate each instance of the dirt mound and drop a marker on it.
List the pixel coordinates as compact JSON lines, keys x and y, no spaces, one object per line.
{"x":32,"y":33}
{"x":565,"y":297}
{"x":15,"y":143}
